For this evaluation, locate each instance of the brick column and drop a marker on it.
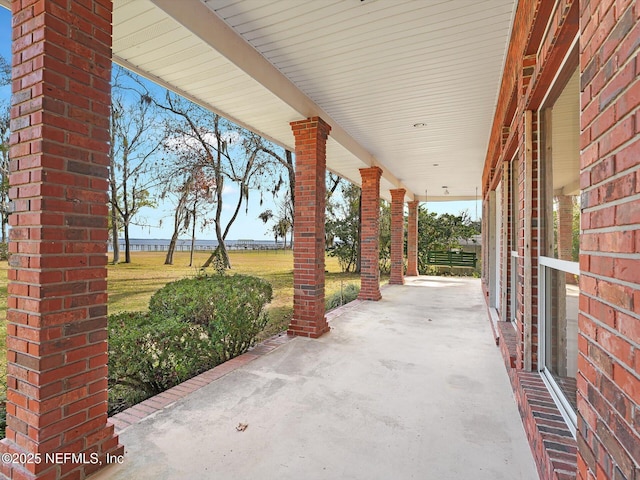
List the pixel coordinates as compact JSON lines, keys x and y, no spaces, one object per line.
{"x":412,"y":240}
{"x":370,"y":234}
{"x":565,"y":231}
{"x":397,"y":236}
{"x":308,"y":231}
{"x":56,"y":319}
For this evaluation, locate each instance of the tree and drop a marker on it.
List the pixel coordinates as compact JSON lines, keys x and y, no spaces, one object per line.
{"x":5,"y":118}
{"x":282,"y":220}
{"x":181,"y":215}
{"x":343,"y":227}
{"x":384,"y":255}
{"x":189,"y":192}
{"x":135,"y":141}
{"x":5,"y":71}
{"x":227,"y":155}
{"x":442,"y":232}
{"x":256,"y":142}
{"x":281,"y":228}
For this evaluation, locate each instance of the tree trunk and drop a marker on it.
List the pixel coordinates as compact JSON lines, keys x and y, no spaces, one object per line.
{"x":114,"y":215}
{"x":220,"y":251}
{"x":172,"y":248}
{"x":193,"y":237}
{"x":292,"y":177}
{"x":114,"y":235}
{"x":127,"y":246}
{"x":177,"y":220}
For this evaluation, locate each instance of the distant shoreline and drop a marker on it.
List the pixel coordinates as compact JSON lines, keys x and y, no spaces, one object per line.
{"x":162,"y":244}
{"x":198,"y":242}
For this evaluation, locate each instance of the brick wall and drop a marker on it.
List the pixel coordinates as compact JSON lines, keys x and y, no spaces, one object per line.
{"x":542,"y":36}
{"x":397,"y":237}
{"x":608,"y":439}
{"x":56,"y":321}
{"x":308,"y":231}
{"x":609,"y":352}
{"x":534,"y":55}
{"x":370,"y":234}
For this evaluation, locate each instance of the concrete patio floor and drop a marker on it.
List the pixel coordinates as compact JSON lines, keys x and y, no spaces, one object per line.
{"x":411,"y":386}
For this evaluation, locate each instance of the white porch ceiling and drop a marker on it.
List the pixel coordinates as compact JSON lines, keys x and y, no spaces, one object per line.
{"x":371,"y":69}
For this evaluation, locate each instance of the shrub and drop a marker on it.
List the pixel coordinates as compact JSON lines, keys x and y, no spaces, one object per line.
{"x":345,"y":295}
{"x":4,"y":251}
{"x":149,"y":354}
{"x":230,"y":309}
{"x":192,"y":325}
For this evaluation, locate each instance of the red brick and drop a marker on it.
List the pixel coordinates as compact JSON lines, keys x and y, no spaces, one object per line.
{"x":44,"y":164}
{"x":369,"y":237}
{"x":397,"y":237}
{"x":628,"y":325}
{"x":615,"y":345}
{"x":309,"y":230}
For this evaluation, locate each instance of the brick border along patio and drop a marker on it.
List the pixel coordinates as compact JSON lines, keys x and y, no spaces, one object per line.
{"x":148,"y":407}
{"x":154,"y":404}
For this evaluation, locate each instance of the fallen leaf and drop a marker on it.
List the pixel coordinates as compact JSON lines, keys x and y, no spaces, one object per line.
{"x":242,"y":427}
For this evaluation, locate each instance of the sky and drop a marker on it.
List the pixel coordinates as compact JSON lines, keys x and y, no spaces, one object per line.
{"x":246,"y":226}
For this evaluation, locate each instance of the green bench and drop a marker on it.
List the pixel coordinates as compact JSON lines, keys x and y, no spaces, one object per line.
{"x":452,"y":259}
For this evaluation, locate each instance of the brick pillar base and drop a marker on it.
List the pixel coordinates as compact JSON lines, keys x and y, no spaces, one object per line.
{"x":412,"y":240}
{"x":308,"y":231}
{"x":56,"y":319}
{"x":370,"y":234}
{"x":397,"y":237}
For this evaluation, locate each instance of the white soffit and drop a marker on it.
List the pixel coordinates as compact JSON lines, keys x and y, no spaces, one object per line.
{"x":371,"y":68}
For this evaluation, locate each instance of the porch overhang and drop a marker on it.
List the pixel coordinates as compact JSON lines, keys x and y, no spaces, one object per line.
{"x":371,"y":70}
{"x":407,"y":87}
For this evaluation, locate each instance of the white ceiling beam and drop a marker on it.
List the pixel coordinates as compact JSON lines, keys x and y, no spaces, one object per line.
{"x":206,"y":25}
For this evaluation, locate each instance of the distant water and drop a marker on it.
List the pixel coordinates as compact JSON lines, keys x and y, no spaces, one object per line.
{"x":162,"y":244}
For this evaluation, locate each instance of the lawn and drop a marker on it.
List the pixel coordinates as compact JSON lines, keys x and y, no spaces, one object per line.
{"x":131,"y":285}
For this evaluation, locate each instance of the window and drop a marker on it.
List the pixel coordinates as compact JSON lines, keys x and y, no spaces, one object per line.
{"x":515,"y":229}
{"x":560,"y":222}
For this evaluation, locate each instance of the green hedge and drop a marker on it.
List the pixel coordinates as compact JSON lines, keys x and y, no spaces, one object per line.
{"x":150,"y":354}
{"x":229,"y":308}
{"x":192,"y":325}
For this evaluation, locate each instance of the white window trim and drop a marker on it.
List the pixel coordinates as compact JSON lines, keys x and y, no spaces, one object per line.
{"x":514,"y":291}
{"x":567,"y":412}
{"x":563,"y":265}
